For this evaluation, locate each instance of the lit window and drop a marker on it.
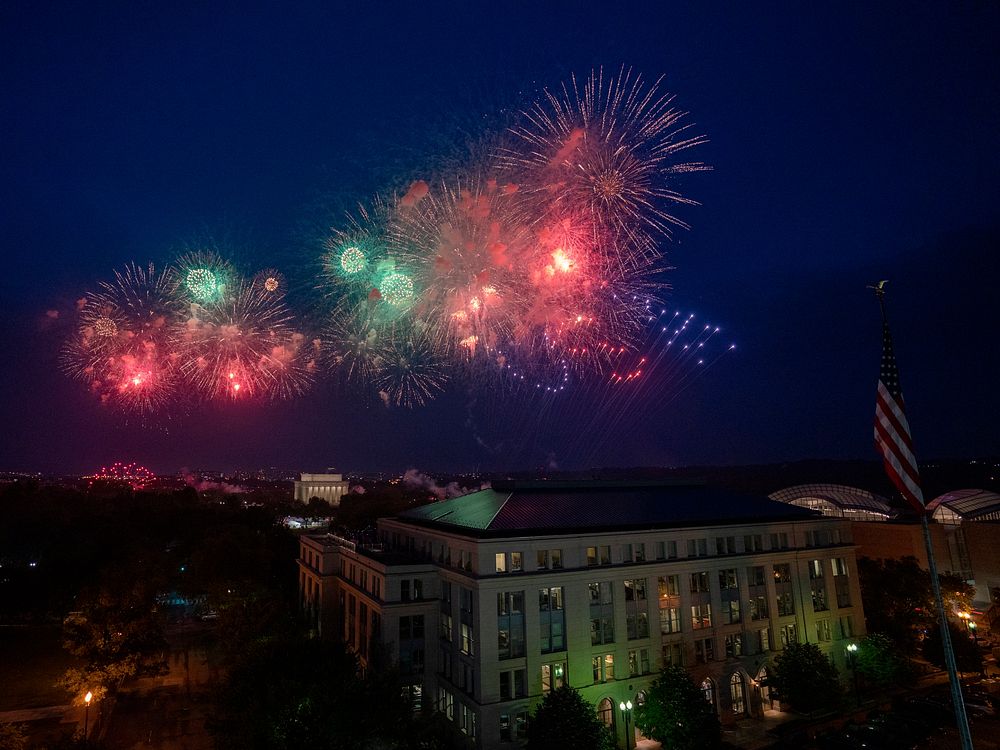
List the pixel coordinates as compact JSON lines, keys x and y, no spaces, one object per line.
{"x":553,"y":676}
{"x":708,"y":690}
{"x":701,"y":616}
{"x":606,"y":713}
{"x":603,"y":667}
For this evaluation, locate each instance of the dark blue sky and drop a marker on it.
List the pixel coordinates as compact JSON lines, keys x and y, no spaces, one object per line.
{"x":850,"y":143}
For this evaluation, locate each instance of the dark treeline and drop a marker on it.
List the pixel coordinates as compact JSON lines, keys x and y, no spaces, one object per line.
{"x":130,"y":576}
{"x":55,"y":542}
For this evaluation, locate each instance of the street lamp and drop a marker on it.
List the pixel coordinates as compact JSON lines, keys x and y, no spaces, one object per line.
{"x":86,"y":715}
{"x":852,"y":660}
{"x":970,"y":625}
{"x":626,"y":709}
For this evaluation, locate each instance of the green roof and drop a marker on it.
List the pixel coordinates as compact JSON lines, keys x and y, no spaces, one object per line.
{"x":517,"y":508}
{"x":474,"y":511}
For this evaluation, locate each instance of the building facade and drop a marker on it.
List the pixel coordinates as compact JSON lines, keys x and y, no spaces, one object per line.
{"x":328,"y":487}
{"x":490,"y":600}
{"x":963,"y":530}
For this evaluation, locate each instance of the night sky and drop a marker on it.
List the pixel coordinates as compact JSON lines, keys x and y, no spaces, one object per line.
{"x":849,"y":144}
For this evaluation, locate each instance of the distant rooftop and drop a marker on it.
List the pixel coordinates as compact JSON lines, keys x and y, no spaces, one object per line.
{"x":550,"y":507}
{"x":374,"y":551}
{"x":838,"y":500}
{"x":965,"y":505}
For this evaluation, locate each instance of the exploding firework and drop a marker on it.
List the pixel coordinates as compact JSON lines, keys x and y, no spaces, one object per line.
{"x":270,"y":282}
{"x":245,"y":347}
{"x":352,"y":342}
{"x":468,"y":244}
{"x":354,"y":257}
{"x":123,"y":345}
{"x":105,"y":327}
{"x":131,"y":474}
{"x":203,"y":277}
{"x":611,"y":147}
{"x":411,"y":372}
{"x":396,"y":288}
{"x":352,"y":260}
{"x":534,"y":270}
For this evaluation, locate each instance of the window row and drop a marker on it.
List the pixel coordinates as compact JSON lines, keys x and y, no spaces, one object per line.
{"x":638,"y":552}
{"x":513,"y":562}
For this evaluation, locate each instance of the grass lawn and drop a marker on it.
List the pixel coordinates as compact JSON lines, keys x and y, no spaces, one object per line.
{"x":31,"y":660}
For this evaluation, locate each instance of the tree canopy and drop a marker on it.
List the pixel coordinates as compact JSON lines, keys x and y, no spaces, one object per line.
{"x":879,"y":662}
{"x":899,"y":600}
{"x":297,"y":693}
{"x":117,"y":635}
{"x":565,"y":721}
{"x":676,"y":713}
{"x":968,"y":657}
{"x":805,"y":678}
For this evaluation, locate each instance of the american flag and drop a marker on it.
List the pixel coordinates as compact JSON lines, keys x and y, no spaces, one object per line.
{"x":892,"y":431}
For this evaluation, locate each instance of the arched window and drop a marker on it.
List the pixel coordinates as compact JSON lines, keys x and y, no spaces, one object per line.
{"x":737,"y":694}
{"x":708,"y":690}
{"x":640,"y":698}
{"x":606,"y":713}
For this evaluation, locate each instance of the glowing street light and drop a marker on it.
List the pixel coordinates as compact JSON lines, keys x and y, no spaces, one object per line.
{"x":970,"y":625}
{"x":86,"y":716}
{"x":626,"y":709}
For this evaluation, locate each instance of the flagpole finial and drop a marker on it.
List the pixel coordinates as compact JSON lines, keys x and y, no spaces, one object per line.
{"x":879,"y":288}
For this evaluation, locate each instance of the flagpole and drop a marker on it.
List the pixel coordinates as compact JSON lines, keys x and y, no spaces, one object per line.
{"x":961,"y":719}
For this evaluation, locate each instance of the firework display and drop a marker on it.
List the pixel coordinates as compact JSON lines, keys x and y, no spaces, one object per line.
{"x":244,"y":346}
{"x":536,"y":255}
{"x":195,"y":331}
{"x":123,"y":347}
{"x":609,"y":148}
{"x":536,"y":267}
{"x":131,"y":474}
{"x":270,"y":282}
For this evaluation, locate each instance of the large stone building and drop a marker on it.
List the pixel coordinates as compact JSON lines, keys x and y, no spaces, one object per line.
{"x":963,"y":528}
{"x":490,"y":600}
{"x":328,"y":487}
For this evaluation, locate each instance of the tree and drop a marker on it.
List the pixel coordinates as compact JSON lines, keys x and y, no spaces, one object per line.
{"x":12,"y":737}
{"x":298,"y":692}
{"x":676,"y":713}
{"x":317,"y":507}
{"x":899,"y":601}
{"x":805,"y":678}
{"x":116,"y":633}
{"x":879,"y":662}
{"x":968,"y":657}
{"x":565,"y":721}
